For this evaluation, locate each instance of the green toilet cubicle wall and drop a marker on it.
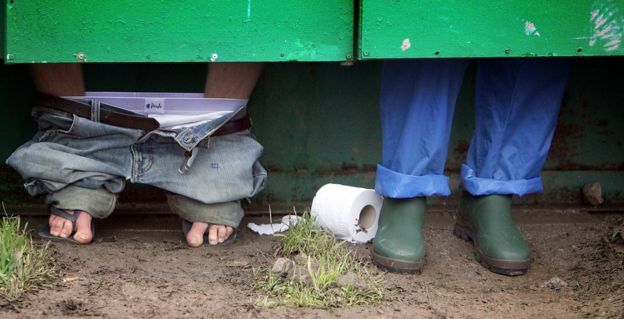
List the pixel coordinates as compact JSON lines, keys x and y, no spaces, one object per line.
{"x":490,"y":28}
{"x":307,"y":30}
{"x":178,"y":31}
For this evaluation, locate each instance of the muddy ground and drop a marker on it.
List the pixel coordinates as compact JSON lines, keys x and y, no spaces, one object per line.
{"x":141,"y":268}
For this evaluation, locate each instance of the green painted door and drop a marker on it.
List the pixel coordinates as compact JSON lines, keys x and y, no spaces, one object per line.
{"x":178,"y":31}
{"x":490,"y":28}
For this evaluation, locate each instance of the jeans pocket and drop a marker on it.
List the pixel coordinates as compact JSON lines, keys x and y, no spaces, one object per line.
{"x":51,"y":125}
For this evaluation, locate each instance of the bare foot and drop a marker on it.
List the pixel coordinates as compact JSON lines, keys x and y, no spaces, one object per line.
{"x":216,"y":234}
{"x":62,"y":227}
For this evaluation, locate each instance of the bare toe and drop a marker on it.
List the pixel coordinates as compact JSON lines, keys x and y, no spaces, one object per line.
{"x":222,"y":233}
{"x":56,"y":224}
{"x":51,"y":224}
{"x":213,"y":234}
{"x":219,"y":234}
{"x":195,"y":236}
{"x":230,"y":231}
{"x":67,"y":228}
{"x":84,"y":233}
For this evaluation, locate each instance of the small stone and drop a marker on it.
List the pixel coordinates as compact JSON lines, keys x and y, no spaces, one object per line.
{"x":301,"y":259}
{"x":301,"y":274}
{"x":351,"y":279}
{"x":555,"y":283}
{"x":282,"y":267}
{"x":592,"y":194}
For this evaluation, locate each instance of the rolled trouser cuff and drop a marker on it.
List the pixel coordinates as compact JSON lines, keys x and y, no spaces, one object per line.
{"x":227,"y":213}
{"x":397,"y":185}
{"x":479,"y":186}
{"x":99,"y":203}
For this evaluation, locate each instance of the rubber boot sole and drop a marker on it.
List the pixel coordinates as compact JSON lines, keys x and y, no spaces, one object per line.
{"x":503,"y":267}
{"x":396,"y":265}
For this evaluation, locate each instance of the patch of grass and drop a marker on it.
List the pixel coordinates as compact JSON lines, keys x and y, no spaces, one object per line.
{"x":325,"y":259}
{"x":23,"y":265}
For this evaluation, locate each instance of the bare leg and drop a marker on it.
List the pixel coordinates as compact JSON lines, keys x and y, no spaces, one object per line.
{"x":232,"y":80}
{"x":63,"y":80}
{"x":58,"y":79}
{"x":224,"y":80}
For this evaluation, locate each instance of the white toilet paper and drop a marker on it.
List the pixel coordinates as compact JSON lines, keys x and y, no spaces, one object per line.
{"x":270,"y":229}
{"x":350,"y":213}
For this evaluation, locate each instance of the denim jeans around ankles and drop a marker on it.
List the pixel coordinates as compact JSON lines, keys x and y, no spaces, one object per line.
{"x":82,"y":164}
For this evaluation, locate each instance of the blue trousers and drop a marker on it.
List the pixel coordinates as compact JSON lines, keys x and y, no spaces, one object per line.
{"x":516,"y":100}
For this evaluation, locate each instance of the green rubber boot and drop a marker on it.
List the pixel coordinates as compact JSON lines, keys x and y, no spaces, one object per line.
{"x":399,"y":245}
{"x":498,"y":244}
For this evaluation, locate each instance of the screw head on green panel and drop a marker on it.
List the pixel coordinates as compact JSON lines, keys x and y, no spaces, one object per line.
{"x":507,"y":51}
{"x":365,"y":53}
{"x":9,"y":56}
{"x":81,"y":57}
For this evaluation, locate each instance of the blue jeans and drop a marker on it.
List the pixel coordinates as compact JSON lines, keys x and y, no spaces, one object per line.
{"x":82,"y":164}
{"x":517,"y":103}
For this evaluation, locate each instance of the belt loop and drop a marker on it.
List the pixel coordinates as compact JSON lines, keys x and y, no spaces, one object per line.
{"x":95,"y":110}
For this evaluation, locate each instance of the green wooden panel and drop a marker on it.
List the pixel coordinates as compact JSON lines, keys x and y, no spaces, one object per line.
{"x":2,"y":38}
{"x":178,"y":31}
{"x":489,"y":28}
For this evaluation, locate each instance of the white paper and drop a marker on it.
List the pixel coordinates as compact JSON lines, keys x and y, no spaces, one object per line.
{"x":174,"y":121}
{"x":350,"y":213}
{"x":270,"y":229}
{"x":171,"y":110}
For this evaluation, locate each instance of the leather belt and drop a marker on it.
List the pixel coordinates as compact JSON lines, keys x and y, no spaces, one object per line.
{"x":118,"y":117}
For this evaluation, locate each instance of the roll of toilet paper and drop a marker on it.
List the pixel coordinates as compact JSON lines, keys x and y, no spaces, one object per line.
{"x":350,"y":213}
